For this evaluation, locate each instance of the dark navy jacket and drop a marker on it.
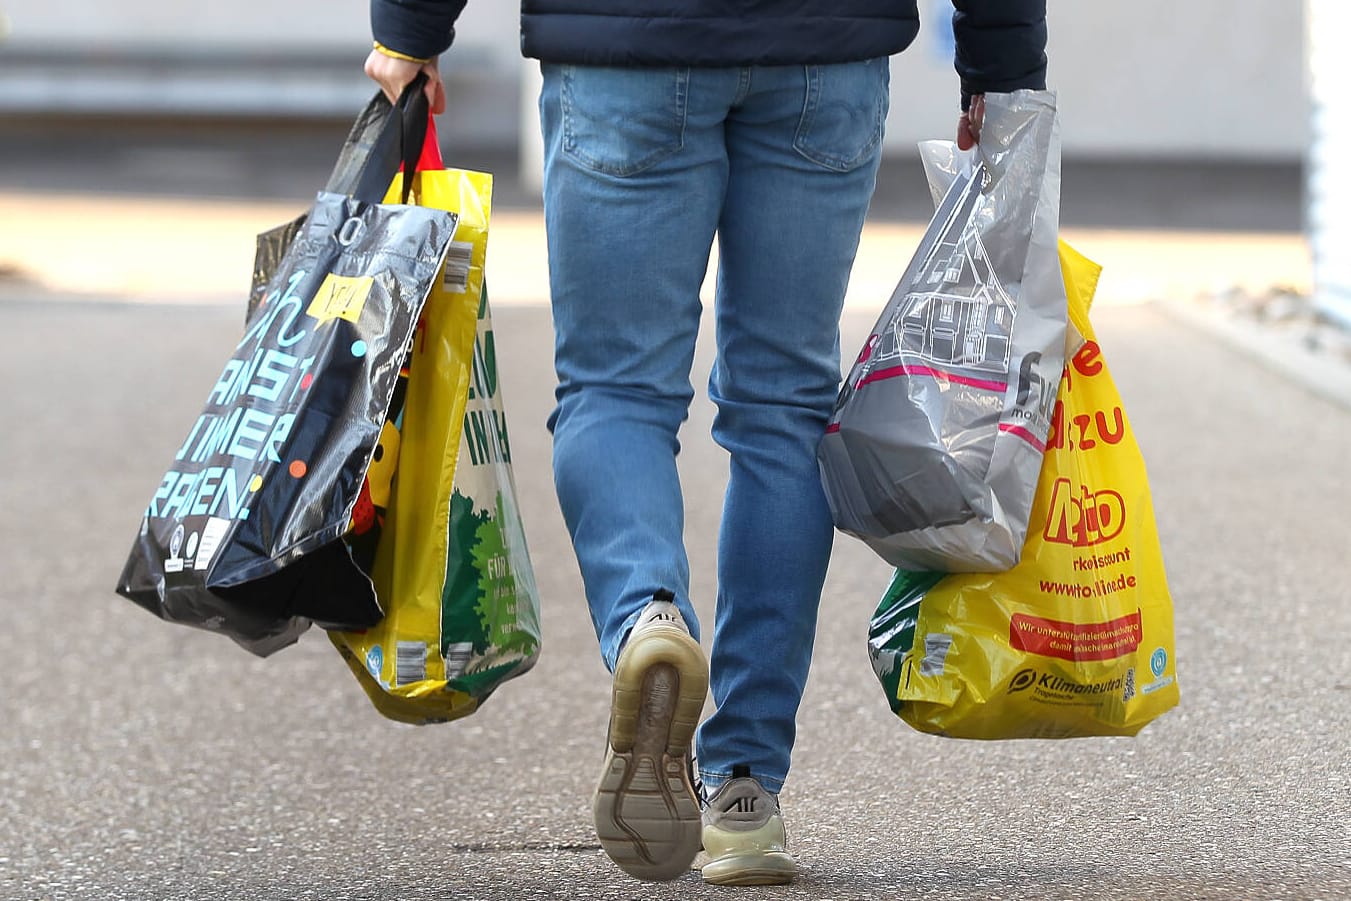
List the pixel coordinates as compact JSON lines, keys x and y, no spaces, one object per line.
{"x":1001,"y":44}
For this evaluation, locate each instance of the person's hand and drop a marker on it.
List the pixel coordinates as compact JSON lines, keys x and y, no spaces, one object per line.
{"x":394,"y":74}
{"x":968,"y":125}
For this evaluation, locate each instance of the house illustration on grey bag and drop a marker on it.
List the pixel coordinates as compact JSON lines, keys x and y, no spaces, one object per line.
{"x":958,"y":314}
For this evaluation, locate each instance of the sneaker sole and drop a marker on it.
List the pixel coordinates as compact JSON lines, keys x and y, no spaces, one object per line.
{"x":762,"y":868}
{"x":647,"y":816}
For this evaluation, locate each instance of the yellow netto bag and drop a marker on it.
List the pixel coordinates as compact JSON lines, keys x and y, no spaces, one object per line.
{"x":451,"y":569}
{"x":1077,"y":638}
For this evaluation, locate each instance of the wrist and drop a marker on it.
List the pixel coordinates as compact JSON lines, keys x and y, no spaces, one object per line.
{"x":394,"y":54}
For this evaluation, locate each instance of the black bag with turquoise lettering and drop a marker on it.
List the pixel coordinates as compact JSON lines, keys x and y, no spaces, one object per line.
{"x":244,"y":535}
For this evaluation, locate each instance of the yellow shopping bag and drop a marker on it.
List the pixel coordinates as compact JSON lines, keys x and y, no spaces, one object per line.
{"x":1077,"y":638}
{"x":452,"y":569}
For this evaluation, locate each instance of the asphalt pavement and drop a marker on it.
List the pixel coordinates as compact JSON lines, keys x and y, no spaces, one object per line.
{"x":140,"y":760}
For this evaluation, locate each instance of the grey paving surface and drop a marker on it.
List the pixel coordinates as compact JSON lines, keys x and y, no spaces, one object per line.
{"x":140,"y":760}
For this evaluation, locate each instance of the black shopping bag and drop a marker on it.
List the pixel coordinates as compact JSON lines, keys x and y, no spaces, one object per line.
{"x":244,"y":533}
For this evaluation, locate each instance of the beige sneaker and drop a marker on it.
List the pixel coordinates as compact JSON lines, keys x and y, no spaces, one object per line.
{"x":744,"y":836}
{"x":646,"y":811}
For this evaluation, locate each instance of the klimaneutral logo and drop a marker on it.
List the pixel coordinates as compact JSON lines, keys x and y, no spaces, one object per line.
{"x":1024,"y":679}
{"x":1053,"y":683}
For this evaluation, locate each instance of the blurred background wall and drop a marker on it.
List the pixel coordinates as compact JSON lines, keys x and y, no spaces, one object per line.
{"x":1198,"y":118}
{"x":1218,"y":80}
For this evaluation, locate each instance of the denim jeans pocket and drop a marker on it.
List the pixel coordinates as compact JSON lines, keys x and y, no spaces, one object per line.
{"x":622,"y":121}
{"x":845,"y":113}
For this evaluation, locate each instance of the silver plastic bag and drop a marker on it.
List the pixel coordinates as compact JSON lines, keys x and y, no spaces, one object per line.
{"x":933,"y":451}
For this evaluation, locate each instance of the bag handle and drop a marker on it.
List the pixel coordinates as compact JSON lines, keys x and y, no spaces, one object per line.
{"x":384,"y":137}
{"x":415,"y":118}
{"x":431,"y":149}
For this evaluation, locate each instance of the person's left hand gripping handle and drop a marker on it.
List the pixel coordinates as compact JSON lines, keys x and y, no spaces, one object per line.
{"x":393,"y":72}
{"x":409,"y":37}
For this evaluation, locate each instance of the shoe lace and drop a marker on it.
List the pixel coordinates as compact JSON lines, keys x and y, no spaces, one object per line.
{"x":697,"y":782}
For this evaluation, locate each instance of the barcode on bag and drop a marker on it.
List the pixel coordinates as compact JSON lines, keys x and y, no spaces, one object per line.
{"x":410,"y":662}
{"x":457,"y":657}
{"x":458,"y":259}
{"x":936,"y":647}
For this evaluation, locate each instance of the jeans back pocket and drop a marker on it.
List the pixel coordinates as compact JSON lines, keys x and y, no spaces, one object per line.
{"x":845,"y":114}
{"x":621,"y":121}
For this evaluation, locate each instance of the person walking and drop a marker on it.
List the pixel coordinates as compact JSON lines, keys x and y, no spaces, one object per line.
{"x":669,"y":124}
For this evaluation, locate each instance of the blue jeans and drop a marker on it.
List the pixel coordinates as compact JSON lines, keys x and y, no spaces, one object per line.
{"x":643,"y":167}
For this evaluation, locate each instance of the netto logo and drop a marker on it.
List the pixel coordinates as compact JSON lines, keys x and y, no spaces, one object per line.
{"x":1087,"y":519}
{"x":1025,"y":679}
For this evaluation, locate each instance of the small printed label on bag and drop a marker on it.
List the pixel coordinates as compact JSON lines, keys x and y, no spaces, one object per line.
{"x":212,"y":535}
{"x":174,"y":562}
{"x":1157,"y":684}
{"x":936,"y":647}
{"x":410,"y":662}
{"x":459,"y":258}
